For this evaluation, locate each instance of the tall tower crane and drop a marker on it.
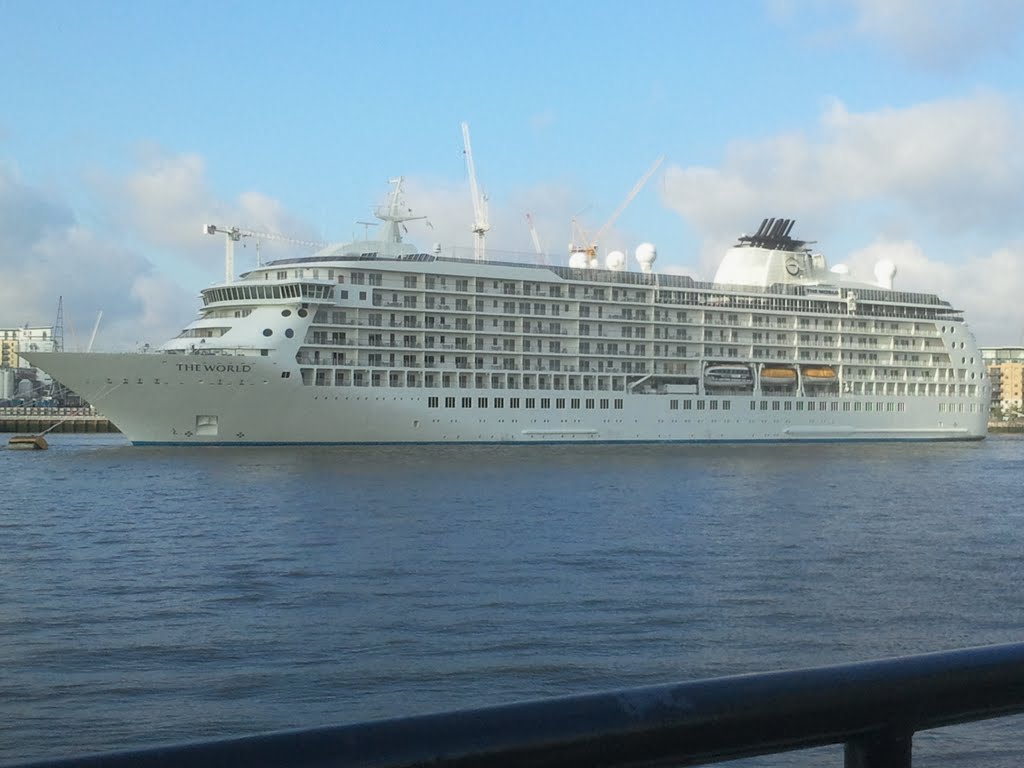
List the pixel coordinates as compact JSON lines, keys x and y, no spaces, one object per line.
{"x":589,"y":249}
{"x":233,"y":234}
{"x":480,"y":223}
{"x":536,"y":238}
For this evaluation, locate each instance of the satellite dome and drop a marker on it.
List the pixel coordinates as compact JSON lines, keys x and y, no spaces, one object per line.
{"x":885,"y":271}
{"x":645,"y":255}
{"x":578,"y":259}
{"x":840,"y":269}
{"x":615,"y":261}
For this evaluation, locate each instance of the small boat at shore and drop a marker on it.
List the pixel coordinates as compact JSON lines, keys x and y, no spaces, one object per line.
{"x":27,"y":443}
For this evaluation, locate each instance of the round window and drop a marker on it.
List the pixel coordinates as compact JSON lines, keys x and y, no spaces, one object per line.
{"x":303,"y":313}
{"x":267,"y":332}
{"x":285,"y":312}
{"x":289,"y":333}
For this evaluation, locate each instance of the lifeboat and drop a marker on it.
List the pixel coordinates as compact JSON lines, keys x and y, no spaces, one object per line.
{"x":778,"y":376}
{"x":815,"y":374}
{"x":728,"y":376}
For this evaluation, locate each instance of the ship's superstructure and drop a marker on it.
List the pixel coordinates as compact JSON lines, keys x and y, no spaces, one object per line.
{"x":374,"y":342}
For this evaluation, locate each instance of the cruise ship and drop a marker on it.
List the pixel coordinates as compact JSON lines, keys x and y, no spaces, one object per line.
{"x":372,"y":341}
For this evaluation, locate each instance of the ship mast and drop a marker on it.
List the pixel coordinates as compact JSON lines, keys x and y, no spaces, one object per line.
{"x":393,"y":215}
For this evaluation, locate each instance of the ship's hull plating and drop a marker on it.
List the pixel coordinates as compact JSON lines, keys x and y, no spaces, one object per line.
{"x":175,"y":399}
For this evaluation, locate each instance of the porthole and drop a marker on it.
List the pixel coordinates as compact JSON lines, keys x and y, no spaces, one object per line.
{"x":289,"y":332}
{"x":285,"y":312}
{"x":302,"y":313}
{"x":267,"y":332}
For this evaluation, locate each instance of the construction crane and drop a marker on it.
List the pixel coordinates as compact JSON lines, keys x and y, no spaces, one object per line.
{"x":589,"y":249}
{"x":536,"y":238}
{"x":233,"y":234}
{"x":95,"y":328}
{"x":480,"y":224}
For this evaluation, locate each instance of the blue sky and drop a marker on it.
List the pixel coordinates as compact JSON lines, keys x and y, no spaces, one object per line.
{"x":887,"y":128}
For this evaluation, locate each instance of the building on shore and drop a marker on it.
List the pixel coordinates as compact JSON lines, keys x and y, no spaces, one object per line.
{"x":13,"y":341}
{"x":1006,"y":370}
{"x":17,"y":377}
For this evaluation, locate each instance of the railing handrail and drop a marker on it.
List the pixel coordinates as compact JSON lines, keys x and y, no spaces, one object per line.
{"x":873,"y":707}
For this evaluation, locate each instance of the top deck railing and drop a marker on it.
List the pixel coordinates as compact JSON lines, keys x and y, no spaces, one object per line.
{"x":874,"y":708}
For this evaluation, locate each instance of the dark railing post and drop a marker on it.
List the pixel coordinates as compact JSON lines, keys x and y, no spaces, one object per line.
{"x":879,"y":749}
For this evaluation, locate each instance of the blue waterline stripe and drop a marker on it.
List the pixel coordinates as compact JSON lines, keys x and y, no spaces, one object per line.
{"x":795,"y":440}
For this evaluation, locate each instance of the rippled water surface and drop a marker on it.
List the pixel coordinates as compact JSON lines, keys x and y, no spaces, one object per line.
{"x":155,"y":595}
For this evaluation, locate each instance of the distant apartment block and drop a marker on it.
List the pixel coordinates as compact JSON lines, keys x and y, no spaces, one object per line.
{"x":17,"y":378}
{"x":13,"y":341}
{"x":1006,"y":369}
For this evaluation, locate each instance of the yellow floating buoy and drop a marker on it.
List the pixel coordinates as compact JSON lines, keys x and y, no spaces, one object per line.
{"x":28,"y":443}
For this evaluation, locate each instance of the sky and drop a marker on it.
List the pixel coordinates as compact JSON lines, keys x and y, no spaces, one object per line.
{"x":887,"y":128}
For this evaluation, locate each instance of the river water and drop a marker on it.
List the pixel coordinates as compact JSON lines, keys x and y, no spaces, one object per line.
{"x":155,"y":595}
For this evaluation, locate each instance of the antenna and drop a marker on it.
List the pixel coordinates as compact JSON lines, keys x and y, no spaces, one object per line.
{"x":366,"y":228}
{"x":58,"y":327}
{"x":392,"y":214}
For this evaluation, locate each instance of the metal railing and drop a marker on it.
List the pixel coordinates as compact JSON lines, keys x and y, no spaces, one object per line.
{"x":874,"y":708}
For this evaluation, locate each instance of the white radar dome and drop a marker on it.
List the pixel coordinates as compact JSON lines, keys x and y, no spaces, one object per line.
{"x":615,"y":261}
{"x":646,"y":253}
{"x":885,"y":271}
{"x":840,"y":269}
{"x":579,"y":260}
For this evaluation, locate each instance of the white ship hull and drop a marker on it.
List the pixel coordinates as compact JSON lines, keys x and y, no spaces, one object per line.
{"x":373,"y":342}
{"x":179,"y":399}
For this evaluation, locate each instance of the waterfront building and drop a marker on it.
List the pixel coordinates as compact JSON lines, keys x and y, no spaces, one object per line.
{"x":1006,"y":370}
{"x":13,"y":341}
{"x":16,"y":373}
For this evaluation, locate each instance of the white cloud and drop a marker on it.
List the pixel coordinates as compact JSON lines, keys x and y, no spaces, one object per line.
{"x":986,"y":286}
{"x":945,"y":173}
{"x":167,"y":202}
{"x":940,"y":34}
{"x":47,"y":252}
{"x":957,"y":162}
